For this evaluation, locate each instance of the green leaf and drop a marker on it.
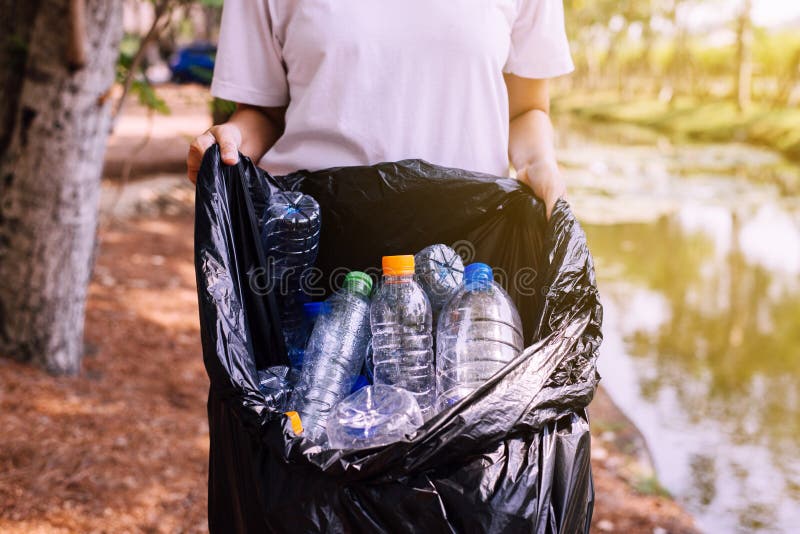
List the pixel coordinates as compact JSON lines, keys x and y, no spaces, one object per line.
{"x":148,"y":97}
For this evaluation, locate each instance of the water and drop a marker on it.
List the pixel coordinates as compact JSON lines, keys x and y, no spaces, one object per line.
{"x":402,"y":344}
{"x":698,"y":265}
{"x":290,"y":236}
{"x":335,"y":355}
{"x":480,"y":331}
{"x":373,"y":416}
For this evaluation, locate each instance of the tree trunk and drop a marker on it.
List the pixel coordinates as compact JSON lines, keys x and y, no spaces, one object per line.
{"x":744,"y":57}
{"x":787,"y":81}
{"x":646,"y":58}
{"x":55,"y":122}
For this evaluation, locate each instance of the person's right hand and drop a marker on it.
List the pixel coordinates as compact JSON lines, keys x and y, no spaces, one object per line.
{"x":229,"y":138}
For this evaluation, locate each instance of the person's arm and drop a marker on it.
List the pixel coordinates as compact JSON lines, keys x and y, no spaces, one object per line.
{"x":531,"y":147}
{"x":251,"y":130}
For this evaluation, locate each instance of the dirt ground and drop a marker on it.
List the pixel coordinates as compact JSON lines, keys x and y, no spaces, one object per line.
{"x":123,"y":447}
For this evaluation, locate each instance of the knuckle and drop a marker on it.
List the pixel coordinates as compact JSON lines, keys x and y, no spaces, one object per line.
{"x":199,"y":144}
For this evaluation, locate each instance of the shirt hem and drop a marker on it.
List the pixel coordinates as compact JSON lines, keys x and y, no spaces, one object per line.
{"x":553,"y":70}
{"x":246,"y":95}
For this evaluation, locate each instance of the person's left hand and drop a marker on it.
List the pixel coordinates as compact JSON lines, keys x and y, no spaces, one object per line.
{"x":544,"y":177}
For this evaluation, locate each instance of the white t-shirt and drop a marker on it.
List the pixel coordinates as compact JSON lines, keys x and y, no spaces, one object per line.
{"x":368,"y":81}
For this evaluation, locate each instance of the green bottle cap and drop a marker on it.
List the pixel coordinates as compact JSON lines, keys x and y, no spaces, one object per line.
{"x":359,"y":283}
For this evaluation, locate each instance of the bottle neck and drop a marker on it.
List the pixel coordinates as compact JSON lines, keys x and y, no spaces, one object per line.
{"x":481,"y":284}
{"x":398,"y":278}
{"x":358,"y":288}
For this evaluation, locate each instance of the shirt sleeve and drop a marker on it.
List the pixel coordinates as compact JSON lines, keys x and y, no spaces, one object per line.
{"x":539,"y":45}
{"x":249,"y":66}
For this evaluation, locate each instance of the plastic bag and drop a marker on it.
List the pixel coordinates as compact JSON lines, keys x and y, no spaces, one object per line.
{"x":512,"y":456}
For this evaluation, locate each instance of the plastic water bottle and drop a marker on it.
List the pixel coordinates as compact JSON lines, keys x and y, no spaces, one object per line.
{"x":277,"y":383}
{"x":311,"y":312}
{"x":440,"y":272}
{"x":373,"y":416}
{"x":335,"y":354}
{"x":479,"y":333}
{"x":402,"y":345}
{"x":290,"y":236}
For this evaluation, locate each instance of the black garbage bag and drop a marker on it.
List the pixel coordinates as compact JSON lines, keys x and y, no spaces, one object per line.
{"x":513,"y":456}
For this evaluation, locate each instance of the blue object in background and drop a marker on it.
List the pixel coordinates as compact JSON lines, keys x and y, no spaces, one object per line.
{"x":193,"y":63}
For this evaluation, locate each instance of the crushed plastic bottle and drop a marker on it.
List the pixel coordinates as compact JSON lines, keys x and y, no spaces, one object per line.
{"x":335,"y":355}
{"x":277,"y":383}
{"x":373,"y":416}
{"x":479,"y":332}
{"x":440,"y":272}
{"x":290,"y":237}
{"x":402,"y":344}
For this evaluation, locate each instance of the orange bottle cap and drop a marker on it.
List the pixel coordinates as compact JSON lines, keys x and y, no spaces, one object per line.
{"x":297,"y":424}
{"x":398,"y":265}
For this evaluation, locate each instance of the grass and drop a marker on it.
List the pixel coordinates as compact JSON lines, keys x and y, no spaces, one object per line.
{"x":693,"y":119}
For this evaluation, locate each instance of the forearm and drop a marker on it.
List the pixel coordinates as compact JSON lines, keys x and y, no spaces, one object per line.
{"x":531,"y":149}
{"x":531,"y":140}
{"x":260,"y":129}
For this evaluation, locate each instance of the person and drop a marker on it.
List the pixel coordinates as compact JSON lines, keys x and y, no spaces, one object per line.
{"x":330,"y":83}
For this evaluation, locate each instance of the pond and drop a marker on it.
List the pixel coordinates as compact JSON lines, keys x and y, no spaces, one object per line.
{"x":698,"y":263}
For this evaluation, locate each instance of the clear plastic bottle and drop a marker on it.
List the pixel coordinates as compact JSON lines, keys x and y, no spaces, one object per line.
{"x":440,"y":272}
{"x":373,"y":416}
{"x":402,"y":345}
{"x":290,"y":236}
{"x":479,"y":333}
{"x":311,"y":312}
{"x":334,"y":356}
{"x":277,"y":384}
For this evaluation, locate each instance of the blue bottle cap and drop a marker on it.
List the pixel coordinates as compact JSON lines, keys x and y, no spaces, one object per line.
{"x":315,"y":309}
{"x":478,"y":272}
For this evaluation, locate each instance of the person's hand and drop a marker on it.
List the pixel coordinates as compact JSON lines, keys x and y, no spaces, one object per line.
{"x":545,"y":179}
{"x":229,"y":138}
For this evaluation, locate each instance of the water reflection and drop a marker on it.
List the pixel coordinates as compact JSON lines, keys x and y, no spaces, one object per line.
{"x":702,"y":329}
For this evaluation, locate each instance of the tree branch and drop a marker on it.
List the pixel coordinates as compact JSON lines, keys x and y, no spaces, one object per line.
{"x":163,"y":10}
{"x":76,"y":45}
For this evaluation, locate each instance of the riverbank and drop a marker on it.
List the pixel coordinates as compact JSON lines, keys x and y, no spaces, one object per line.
{"x":688,"y":119}
{"x":629,"y":498}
